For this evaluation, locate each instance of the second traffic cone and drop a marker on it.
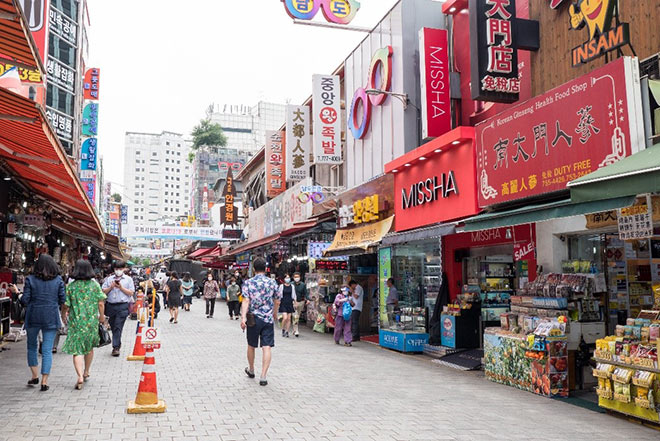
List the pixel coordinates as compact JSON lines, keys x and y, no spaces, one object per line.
{"x":138,"y":348}
{"x":146,"y":400}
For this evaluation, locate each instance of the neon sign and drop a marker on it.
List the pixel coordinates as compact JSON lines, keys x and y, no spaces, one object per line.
{"x":381,"y":67}
{"x":335,"y":11}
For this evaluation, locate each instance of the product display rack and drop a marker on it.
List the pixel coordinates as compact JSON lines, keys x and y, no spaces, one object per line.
{"x":497,"y":282}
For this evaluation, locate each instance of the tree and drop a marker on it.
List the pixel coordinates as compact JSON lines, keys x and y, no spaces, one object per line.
{"x":116,"y":197}
{"x":208,"y":134}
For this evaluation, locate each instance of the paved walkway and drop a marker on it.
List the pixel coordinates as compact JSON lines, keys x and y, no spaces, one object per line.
{"x":317,"y":391}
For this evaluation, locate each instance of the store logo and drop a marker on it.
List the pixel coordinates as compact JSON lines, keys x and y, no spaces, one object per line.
{"x":381,"y":67}
{"x":335,"y":11}
{"x":424,"y":192}
{"x":597,"y":16}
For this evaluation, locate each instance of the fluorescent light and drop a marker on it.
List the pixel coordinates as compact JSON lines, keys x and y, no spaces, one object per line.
{"x":7,"y":178}
{"x":456,"y":142}
{"x":407,"y":165}
{"x":395,"y":171}
{"x":422,"y":158}
{"x":438,"y":150}
{"x":452,"y":9}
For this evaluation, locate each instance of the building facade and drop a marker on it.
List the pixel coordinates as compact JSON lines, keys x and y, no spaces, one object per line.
{"x":157,"y":177}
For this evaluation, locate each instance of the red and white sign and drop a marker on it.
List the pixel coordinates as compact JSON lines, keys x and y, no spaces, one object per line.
{"x":151,"y":338}
{"x":36,"y":14}
{"x":91,"y":84}
{"x":523,"y":251}
{"x":326,"y":102}
{"x":438,"y":189}
{"x":434,"y":67}
{"x":275,"y":183}
{"x":541,"y":145}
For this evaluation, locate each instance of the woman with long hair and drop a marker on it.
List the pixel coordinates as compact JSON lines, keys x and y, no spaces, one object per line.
{"x":187,"y":284}
{"x":43,"y":294}
{"x":174,"y":293}
{"x":85,"y":305}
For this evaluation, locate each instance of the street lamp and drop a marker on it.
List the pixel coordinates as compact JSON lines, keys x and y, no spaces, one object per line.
{"x":403,"y":97}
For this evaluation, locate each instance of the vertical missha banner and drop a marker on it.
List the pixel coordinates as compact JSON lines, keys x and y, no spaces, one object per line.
{"x":275,"y":167}
{"x":541,"y":145}
{"x":297,"y":134}
{"x":434,"y":72}
{"x":327,"y":119}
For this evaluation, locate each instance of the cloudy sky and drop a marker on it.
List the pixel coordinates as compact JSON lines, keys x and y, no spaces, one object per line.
{"x":164,"y":61}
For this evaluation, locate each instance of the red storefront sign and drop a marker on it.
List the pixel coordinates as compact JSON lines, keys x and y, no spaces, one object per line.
{"x":542,"y":144}
{"x":436,"y":100}
{"x":439,"y":188}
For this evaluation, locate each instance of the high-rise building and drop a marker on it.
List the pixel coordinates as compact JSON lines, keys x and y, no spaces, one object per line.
{"x":157,"y":177}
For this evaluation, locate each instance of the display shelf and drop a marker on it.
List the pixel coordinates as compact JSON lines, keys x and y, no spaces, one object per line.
{"x":625,"y":365}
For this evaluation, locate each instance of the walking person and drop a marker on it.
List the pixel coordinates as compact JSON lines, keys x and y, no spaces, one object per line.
{"x":301,"y":300}
{"x":174,"y":292}
{"x":233,"y":292}
{"x":211,"y":291}
{"x":358,"y":297}
{"x":85,"y":306}
{"x":261,"y":300}
{"x":287,"y":307}
{"x":342,"y":325}
{"x":188,"y":285}
{"x":119,"y":288}
{"x":43,"y":294}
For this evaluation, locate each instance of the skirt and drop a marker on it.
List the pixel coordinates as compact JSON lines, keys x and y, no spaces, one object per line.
{"x":287,"y":306}
{"x":173,"y":301}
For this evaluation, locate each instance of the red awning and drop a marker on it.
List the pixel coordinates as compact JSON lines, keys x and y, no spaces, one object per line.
{"x":253,"y":245}
{"x":16,"y":42}
{"x":299,"y":227}
{"x":34,"y":155}
{"x":199,"y":253}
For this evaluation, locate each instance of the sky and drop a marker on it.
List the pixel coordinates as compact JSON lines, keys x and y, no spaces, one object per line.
{"x":163,"y":62}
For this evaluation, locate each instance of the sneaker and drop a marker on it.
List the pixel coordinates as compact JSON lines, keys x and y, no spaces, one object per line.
{"x":296,"y":335}
{"x":283,"y":333}
{"x":208,"y":316}
{"x":115,"y":352}
{"x":171,"y":319}
{"x":287,"y":335}
{"x":263,"y":382}
{"x":248,"y":373}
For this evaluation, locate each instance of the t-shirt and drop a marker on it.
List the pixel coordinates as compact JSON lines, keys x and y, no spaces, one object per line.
{"x":393,"y":296}
{"x":262,"y":292}
{"x":359,"y":301}
{"x":232,"y":293}
{"x":301,"y":291}
{"x":187,"y":287}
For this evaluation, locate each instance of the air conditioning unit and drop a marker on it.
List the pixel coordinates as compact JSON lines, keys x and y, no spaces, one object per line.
{"x":650,"y":67}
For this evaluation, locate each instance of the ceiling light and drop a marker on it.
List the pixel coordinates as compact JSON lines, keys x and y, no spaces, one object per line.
{"x":456,"y":142}
{"x":407,"y":165}
{"x":452,"y":9}
{"x":395,"y":171}
{"x":422,"y":158}
{"x":438,"y":150}
{"x":7,"y":178}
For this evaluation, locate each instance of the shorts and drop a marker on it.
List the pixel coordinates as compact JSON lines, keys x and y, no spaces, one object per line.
{"x":187,"y":300}
{"x":261,"y":334}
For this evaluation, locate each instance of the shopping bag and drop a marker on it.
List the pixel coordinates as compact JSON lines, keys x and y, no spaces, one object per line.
{"x":104,"y":336}
{"x":319,"y":326}
{"x":347,"y":310}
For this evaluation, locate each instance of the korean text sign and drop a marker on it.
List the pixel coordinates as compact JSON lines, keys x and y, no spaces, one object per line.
{"x":275,"y":182}
{"x":88,"y":154}
{"x":297,"y":135}
{"x":327,"y":119}
{"x":541,"y":145}
{"x":91,"y":84}
{"x":434,"y":67}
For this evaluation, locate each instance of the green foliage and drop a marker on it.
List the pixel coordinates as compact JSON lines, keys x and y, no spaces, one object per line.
{"x":116,"y":197}
{"x":191,"y":157}
{"x":208,"y":134}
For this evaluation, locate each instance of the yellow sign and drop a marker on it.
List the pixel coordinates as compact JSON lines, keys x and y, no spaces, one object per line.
{"x":609,"y":218}
{"x":361,"y":237}
{"x":366,"y":210}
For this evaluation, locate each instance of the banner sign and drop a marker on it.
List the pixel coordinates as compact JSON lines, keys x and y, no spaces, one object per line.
{"x":297,"y":135}
{"x":541,"y":145}
{"x":167,"y":232}
{"x":36,"y":13}
{"x":228,"y":214}
{"x":91,"y":84}
{"x":63,"y":27}
{"x":90,"y":119}
{"x":61,"y":75}
{"x":275,"y":166}
{"x":494,"y":53}
{"x":315,"y":249}
{"x":335,"y":11}
{"x":124,"y":214}
{"x":26,"y":75}
{"x":362,"y":237}
{"x":434,"y":72}
{"x":62,"y":123}
{"x":89,"y":186}
{"x":326,"y":100}
{"x":636,"y":222}
{"x":88,"y":153}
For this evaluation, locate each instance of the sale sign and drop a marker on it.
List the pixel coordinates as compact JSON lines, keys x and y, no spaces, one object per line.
{"x":434,"y":67}
{"x":541,"y":145}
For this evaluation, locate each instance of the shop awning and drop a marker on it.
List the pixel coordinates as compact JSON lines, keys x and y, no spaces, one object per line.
{"x":351,"y":241}
{"x":301,"y":227}
{"x":252,"y":245}
{"x":35,"y":157}
{"x":636,"y":174}
{"x":16,"y":42}
{"x":199,"y":253}
{"x":543,"y":212}
{"x":111,"y":245}
{"x":418,"y":234}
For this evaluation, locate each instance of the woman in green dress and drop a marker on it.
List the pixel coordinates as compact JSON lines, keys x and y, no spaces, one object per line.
{"x":85,"y":306}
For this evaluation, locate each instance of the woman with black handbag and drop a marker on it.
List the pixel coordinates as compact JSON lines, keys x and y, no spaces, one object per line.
{"x":85,"y":307}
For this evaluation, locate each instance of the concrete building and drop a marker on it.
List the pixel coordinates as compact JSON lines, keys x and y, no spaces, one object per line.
{"x":157,"y":177}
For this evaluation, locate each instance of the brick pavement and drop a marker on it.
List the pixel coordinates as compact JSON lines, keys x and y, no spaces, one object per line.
{"x":317,"y":391}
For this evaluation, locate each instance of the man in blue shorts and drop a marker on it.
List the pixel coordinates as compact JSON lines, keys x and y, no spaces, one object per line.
{"x":261,"y":301}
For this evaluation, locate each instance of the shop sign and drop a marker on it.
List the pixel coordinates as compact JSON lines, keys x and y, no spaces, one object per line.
{"x":448,"y":337}
{"x":88,"y":154}
{"x":297,"y":134}
{"x":26,"y":75}
{"x":335,"y":11}
{"x":384,"y":273}
{"x":34,"y":220}
{"x":597,"y":16}
{"x":89,"y":187}
{"x":487,"y":237}
{"x":609,"y":218}
{"x":228,"y":214}
{"x":361,"y":237}
{"x":61,"y":75}
{"x":36,"y":14}
{"x":494,"y":52}
{"x":236,"y":166}
{"x":91,"y":84}
{"x":524,"y":251}
{"x":315,"y":249}
{"x":434,"y":71}
{"x":232,"y":234}
{"x":124,"y":214}
{"x":429,"y":190}
{"x":331,"y":265}
{"x":62,"y":123}
{"x":63,"y":27}
{"x":311,"y":193}
{"x":380,"y":68}
{"x":326,"y":102}
{"x":90,"y":120}
{"x":275,"y":183}
{"x":636,"y":222}
{"x":543,"y":144}
{"x":392,"y":340}
{"x":361,"y":212}
{"x":166,"y":232}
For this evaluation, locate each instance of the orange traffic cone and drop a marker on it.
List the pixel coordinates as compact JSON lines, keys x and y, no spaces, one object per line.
{"x":147,"y":400}
{"x":138,"y":348}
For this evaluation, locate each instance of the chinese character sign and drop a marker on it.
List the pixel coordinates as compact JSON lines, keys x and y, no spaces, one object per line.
{"x":275,"y":176}
{"x":88,"y":153}
{"x":636,"y":222}
{"x":494,"y":54}
{"x":326,"y":103}
{"x":90,"y":119}
{"x":91,"y":84}
{"x":297,"y":136}
{"x":543,"y":144}
{"x":434,"y":70}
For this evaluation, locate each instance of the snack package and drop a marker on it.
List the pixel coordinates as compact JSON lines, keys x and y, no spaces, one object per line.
{"x":620,"y":330}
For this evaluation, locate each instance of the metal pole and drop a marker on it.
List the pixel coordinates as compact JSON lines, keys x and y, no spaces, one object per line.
{"x":330,"y":26}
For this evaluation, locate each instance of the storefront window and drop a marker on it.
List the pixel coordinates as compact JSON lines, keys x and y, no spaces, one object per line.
{"x":417,"y":273}
{"x":584,"y":254}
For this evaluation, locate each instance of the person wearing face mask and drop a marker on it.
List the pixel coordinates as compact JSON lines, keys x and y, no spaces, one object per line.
{"x":211,"y":291}
{"x":233,"y":292}
{"x":288,"y":305}
{"x":239,"y":279}
{"x":119,"y":289}
{"x":301,"y":300}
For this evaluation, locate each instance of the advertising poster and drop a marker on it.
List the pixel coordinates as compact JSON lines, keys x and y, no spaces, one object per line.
{"x":434,"y":74}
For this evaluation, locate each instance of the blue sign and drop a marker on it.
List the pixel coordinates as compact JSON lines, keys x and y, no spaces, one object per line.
{"x":448,"y":330}
{"x":90,"y":120}
{"x":416,"y":342}
{"x":124,"y":214}
{"x":88,"y":154}
{"x":392,"y":340}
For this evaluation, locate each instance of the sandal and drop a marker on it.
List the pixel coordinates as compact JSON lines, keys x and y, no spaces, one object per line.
{"x":44,"y":387}
{"x":85,"y":377}
{"x":79,"y":385}
{"x":33,"y":382}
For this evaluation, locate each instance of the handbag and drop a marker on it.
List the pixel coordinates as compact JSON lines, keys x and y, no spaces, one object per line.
{"x":104,"y":336}
{"x":347,"y":311}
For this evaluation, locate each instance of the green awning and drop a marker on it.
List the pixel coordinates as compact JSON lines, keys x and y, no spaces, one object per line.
{"x":636,"y":174}
{"x":543,"y":212}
